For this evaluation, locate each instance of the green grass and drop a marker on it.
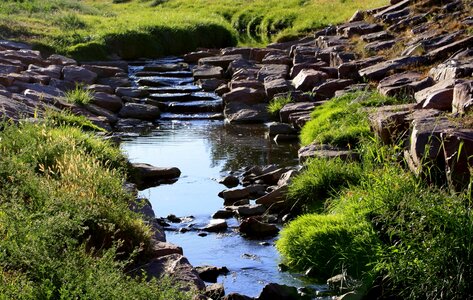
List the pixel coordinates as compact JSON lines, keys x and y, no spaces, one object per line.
{"x":79,"y":96}
{"x":92,"y":29}
{"x":342,"y":121}
{"x":375,"y":220}
{"x":276,"y":104}
{"x":66,"y":231}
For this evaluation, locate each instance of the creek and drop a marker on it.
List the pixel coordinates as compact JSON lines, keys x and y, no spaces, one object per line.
{"x":206,"y":150}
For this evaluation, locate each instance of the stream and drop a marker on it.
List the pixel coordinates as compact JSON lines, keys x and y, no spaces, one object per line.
{"x":206,"y":150}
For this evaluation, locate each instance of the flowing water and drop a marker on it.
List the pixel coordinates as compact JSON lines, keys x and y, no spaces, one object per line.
{"x":204,"y":151}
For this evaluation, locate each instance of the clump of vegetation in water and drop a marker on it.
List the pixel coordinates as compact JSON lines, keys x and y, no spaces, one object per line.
{"x":66,"y":230}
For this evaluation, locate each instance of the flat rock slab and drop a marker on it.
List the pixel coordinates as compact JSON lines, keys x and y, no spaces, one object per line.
{"x":242,"y":113}
{"x":274,"y":70}
{"x":216,"y":225}
{"x":207,"y":72}
{"x":358,"y":28}
{"x":79,"y":74}
{"x":174,"y":89}
{"x":251,"y":210}
{"x":349,"y":70}
{"x":222,"y":61}
{"x":139,"y":111}
{"x":327,"y":89}
{"x":276,"y":128}
{"x":107,"y":101}
{"x":445,"y":51}
{"x":404,"y":84}
{"x":379,"y":70}
{"x":146,"y":175}
{"x":245,"y":96}
{"x":295,"y":107}
{"x":165,"y":67}
{"x":307,"y":79}
{"x":276,"y":86}
{"x":253,"y":228}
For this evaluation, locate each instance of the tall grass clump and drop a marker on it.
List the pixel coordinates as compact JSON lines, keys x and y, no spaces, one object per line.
{"x":277,"y":103}
{"x":342,"y":121}
{"x":66,"y":230}
{"x":79,"y":95}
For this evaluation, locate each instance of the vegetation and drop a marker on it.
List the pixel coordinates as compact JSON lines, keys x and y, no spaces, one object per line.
{"x":382,"y":224}
{"x":342,"y":121}
{"x":66,"y":231}
{"x":79,"y":96}
{"x":276,"y":104}
{"x":93,"y":29}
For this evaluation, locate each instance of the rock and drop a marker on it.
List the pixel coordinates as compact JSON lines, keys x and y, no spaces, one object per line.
{"x":165,"y":67}
{"x":216,"y":225}
{"x":236,"y":296}
{"x":359,"y":15}
{"x":274,"y":196}
{"x":222,"y":89}
{"x":379,"y":70}
{"x":275,"y":86}
{"x":325,"y":151}
{"x":230,"y":181}
{"x":57,"y":59}
{"x":253,"y":228}
{"x":451,"y":69}
{"x":107,"y":101}
{"x":349,"y":70}
{"x":210,"y":85}
{"x":115,"y":82}
{"x":445,"y":51}
{"x":439,"y":99}
{"x":271,"y":177}
{"x":132,"y":125}
{"x":273,"y":70}
{"x":350,"y":296}
{"x":7,"y":69}
{"x":178,"y":267}
{"x":146,"y":175}
{"x":376,"y":36}
{"x":392,"y":8}
{"x":10,"y":45}
{"x":298,"y":67}
{"x":223,"y":214}
{"x":389,"y":123}
{"x":458,"y":154}
{"x":160,"y":249}
{"x":286,"y":178}
{"x":210,"y":273}
{"x":276,"y":128}
{"x":25,"y":56}
{"x":131,"y":92}
{"x":277,"y":58}
{"x":245,"y":52}
{"x":274,"y":291}
{"x":12,"y":109}
{"x":290,"y":108}
{"x":215,"y":291}
{"x":250,"y":210}
{"x":379,"y":45}
{"x":404,"y":85}
{"x":78,"y":74}
{"x":207,"y":72}
{"x":96,"y":88}
{"x":53,"y":71}
{"x":286,"y":138}
{"x":357,"y":28}
{"x":307,"y":79}
{"x":104,"y":71}
{"x":235,"y":194}
{"x":243,"y":113}
{"x":423,"y":94}
{"x":222,"y":61}
{"x":140,"y":111}
{"x":462,"y":95}
{"x":99,"y":111}
{"x":338,"y":58}
{"x":245,"y":96}
{"x":193,"y":57}
{"x":327,"y":89}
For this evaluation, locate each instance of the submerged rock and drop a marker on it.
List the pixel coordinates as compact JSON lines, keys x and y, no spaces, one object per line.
{"x":146,"y":175}
{"x":253,"y":228}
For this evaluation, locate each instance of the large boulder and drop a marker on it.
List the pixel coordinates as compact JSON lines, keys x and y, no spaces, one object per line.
{"x":146,"y":175}
{"x":216,"y":225}
{"x":379,"y":70}
{"x":307,"y":79}
{"x":273,"y":70}
{"x":245,"y":96}
{"x":291,"y":108}
{"x":140,"y":111}
{"x":243,"y":113}
{"x":404,"y":84}
{"x":207,"y":72}
{"x":253,"y":228}
{"x":78,"y":74}
{"x":276,"y":86}
{"x":274,"y":291}
{"x":107,"y":101}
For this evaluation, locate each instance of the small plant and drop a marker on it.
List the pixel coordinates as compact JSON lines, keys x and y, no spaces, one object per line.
{"x":70,"y":21}
{"x":277,"y":104}
{"x":79,"y":96}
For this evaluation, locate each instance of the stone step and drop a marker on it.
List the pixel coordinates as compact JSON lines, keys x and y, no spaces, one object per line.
{"x":176,"y":74}
{"x":183,"y":97}
{"x":174,"y":89}
{"x":159,"y":81}
{"x":194,"y":107}
{"x":196,"y":116}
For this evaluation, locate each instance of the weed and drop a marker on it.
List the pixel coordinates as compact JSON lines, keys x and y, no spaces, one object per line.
{"x":79,"y":96}
{"x":276,"y":104}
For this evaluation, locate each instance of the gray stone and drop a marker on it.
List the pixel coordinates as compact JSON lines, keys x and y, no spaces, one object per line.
{"x":250,"y":210}
{"x":222,"y":61}
{"x":404,"y":85}
{"x":446,"y":51}
{"x":107,"y":101}
{"x":379,"y":70}
{"x":439,"y":99}
{"x":458,"y":154}
{"x":53,"y":71}
{"x":94,"y":88}
{"x":97,"y":110}
{"x":327,"y":89}
{"x":78,"y":74}
{"x":210,"y":85}
{"x":223,"y":214}
{"x":57,"y":59}
{"x":274,"y":291}
{"x":307,"y":79}
{"x":278,"y":194}
{"x":207,"y":72}
{"x":275,"y":128}
{"x":376,"y":36}
{"x":462,"y":94}
{"x":242,"y":113}
{"x":230,"y":181}
{"x":245,"y":96}
{"x":253,"y":228}
{"x":194,"y":57}
{"x":131,"y":92}
{"x":140,"y":111}
{"x":357,"y":28}
{"x":349,"y":70}
{"x":115,"y":82}
{"x":104,"y":71}
{"x":146,"y":175}
{"x":276,"y":86}
{"x":274,"y":70}
{"x":325,"y":151}
{"x":215,"y":291}
{"x":216,"y":225}
{"x":160,"y":249}
{"x":379,"y":45}
{"x":290,"y":108}
{"x":389,"y":123}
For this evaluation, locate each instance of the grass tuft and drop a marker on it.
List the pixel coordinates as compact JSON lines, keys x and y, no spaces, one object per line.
{"x":276,"y":104}
{"x":79,"y":96}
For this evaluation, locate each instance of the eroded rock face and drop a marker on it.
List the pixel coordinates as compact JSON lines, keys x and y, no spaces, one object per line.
{"x":462,"y":97}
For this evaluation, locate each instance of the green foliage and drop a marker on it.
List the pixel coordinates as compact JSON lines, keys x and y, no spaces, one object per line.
{"x":276,"y":104}
{"x":321,"y":179}
{"x":169,"y":26}
{"x":329,"y":244}
{"x":66,"y":231}
{"x":61,"y":118}
{"x":79,"y":96}
{"x":342,"y":121}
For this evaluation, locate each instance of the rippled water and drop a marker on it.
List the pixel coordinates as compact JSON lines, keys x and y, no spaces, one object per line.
{"x":205,"y":151}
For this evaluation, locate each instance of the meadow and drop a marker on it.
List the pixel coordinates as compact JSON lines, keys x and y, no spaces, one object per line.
{"x":98,"y":29}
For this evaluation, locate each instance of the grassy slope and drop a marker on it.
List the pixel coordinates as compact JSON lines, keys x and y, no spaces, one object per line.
{"x":377,"y":220}
{"x":66,"y":231}
{"x":95,"y":28}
